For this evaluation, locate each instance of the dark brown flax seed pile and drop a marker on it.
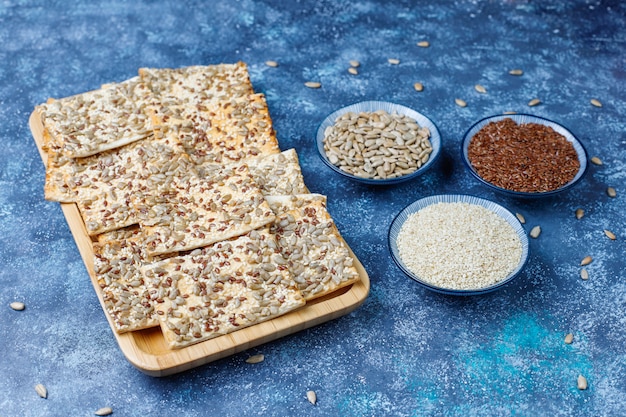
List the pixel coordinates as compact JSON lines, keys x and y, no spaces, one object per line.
{"x":527,"y":157}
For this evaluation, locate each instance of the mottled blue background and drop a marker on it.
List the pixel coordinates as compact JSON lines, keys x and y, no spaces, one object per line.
{"x":406,"y":351}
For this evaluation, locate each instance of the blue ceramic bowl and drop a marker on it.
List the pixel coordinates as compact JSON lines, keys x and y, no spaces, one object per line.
{"x":372,"y":106}
{"x":522,"y":119}
{"x":397,"y":223}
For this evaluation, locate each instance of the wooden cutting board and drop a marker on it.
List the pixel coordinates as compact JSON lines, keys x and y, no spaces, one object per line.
{"x":147,"y":350}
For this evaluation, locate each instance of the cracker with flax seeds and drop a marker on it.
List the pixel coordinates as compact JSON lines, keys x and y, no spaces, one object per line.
{"x":221,"y":288}
{"x":218,"y":117}
{"x":308,"y":239}
{"x":110,"y":181}
{"x":276,"y":174}
{"x":118,"y":258}
{"x":191,"y":211}
{"x":99,"y":120}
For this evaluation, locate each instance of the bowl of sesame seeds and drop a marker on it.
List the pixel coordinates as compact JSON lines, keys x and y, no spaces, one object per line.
{"x":522,"y":155}
{"x":458,"y":244}
{"x":377,"y":142}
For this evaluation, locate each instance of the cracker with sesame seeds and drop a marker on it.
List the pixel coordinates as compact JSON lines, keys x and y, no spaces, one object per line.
{"x":316,"y":254}
{"x":99,"y":120}
{"x":192,"y":211}
{"x":221,"y":288}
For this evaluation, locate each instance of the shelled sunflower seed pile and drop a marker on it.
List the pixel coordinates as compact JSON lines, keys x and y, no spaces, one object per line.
{"x":199,"y":223}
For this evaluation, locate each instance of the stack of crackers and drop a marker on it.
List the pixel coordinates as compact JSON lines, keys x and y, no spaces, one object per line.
{"x":199,"y":223}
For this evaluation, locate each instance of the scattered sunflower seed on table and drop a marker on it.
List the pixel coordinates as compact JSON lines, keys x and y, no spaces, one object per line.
{"x":41,"y":391}
{"x":580,"y":213}
{"x":393,"y":61}
{"x":104,"y":411}
{"x":584,"y":274}
{"x":353,"y":71}
{"x":17,"y":305}
{"x":516,"y":72}
{"x":534,"y":102}
{"x":354,"y":63}
{"x":480,"y":88}
{"x":271,"y":63}
{"x":586,"y":261}
{"x":535,"y":232}
{"x":311,"y":396}
{"x":611,"y":192}
{"x":596,"y":102}
{"x":610,"y":234}
{"x":256,"y":358}
{"x":423,"y":44}
{"x":418,"y":86}
{"x":569,"y":338}
{"x":520,"y":217}
{"x":596,"y":161}
{"x":313,"y":84}
{"x":460,"y":102}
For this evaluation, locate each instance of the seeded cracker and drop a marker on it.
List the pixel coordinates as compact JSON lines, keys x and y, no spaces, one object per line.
{"x":217,"y":116}
{"x":222,"y":288}
{"x":95,"y":121}
{"x":119,"y":256}
{"x":310,"y":242}
{"x":276,"y":174}
{"x":110,"y":181}
{"x":193,"y":212}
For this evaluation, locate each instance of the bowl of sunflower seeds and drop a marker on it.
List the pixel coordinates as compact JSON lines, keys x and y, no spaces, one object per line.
{"x":377,"y":142}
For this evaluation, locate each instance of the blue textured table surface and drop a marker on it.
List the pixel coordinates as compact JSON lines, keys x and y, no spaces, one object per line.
{"x":406,"y":351}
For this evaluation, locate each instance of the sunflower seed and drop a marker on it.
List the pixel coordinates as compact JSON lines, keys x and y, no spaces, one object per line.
{"x":520,"y":217}
{"x":609,"y":234}
{"x":418,"y":86}
{"x":596,"y":102}
{"x":312,"y":84}
{"x":580,"y":213}
{"x":516,"y":72}
{"x":256,"y":358}
{"x":312,"y":397}
{"x":104,"y":411}
{"x":595,"y":160}
{"x":535,"y":232}
{"x":582,"y":382}
{"x":423,"y":44}
{"x":480,"y":88}
{"x":354,"y":63}
{"x":393,"y":61}
{"x":584,"y":274}
{"x":459,"y":102}
{"x":534,"y":102}
{"x":586,"y":261}
{"x":273,"y":64}
{"x":611,"y":192}
{"x":41,"y":391}
{"x":569,"y":338}
{"x":353,"y":71}
{"x":17,"y":306}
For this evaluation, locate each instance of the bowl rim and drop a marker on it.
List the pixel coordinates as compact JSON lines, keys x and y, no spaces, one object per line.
{"x":374,"y":105}
{"x":580,"y":149}
{"x":498,"y":209}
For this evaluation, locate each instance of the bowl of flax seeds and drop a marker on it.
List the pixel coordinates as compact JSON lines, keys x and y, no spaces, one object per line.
{"x":524,"y":155}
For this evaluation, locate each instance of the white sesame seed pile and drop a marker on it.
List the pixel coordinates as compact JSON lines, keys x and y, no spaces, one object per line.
{"x":459,"y":246}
